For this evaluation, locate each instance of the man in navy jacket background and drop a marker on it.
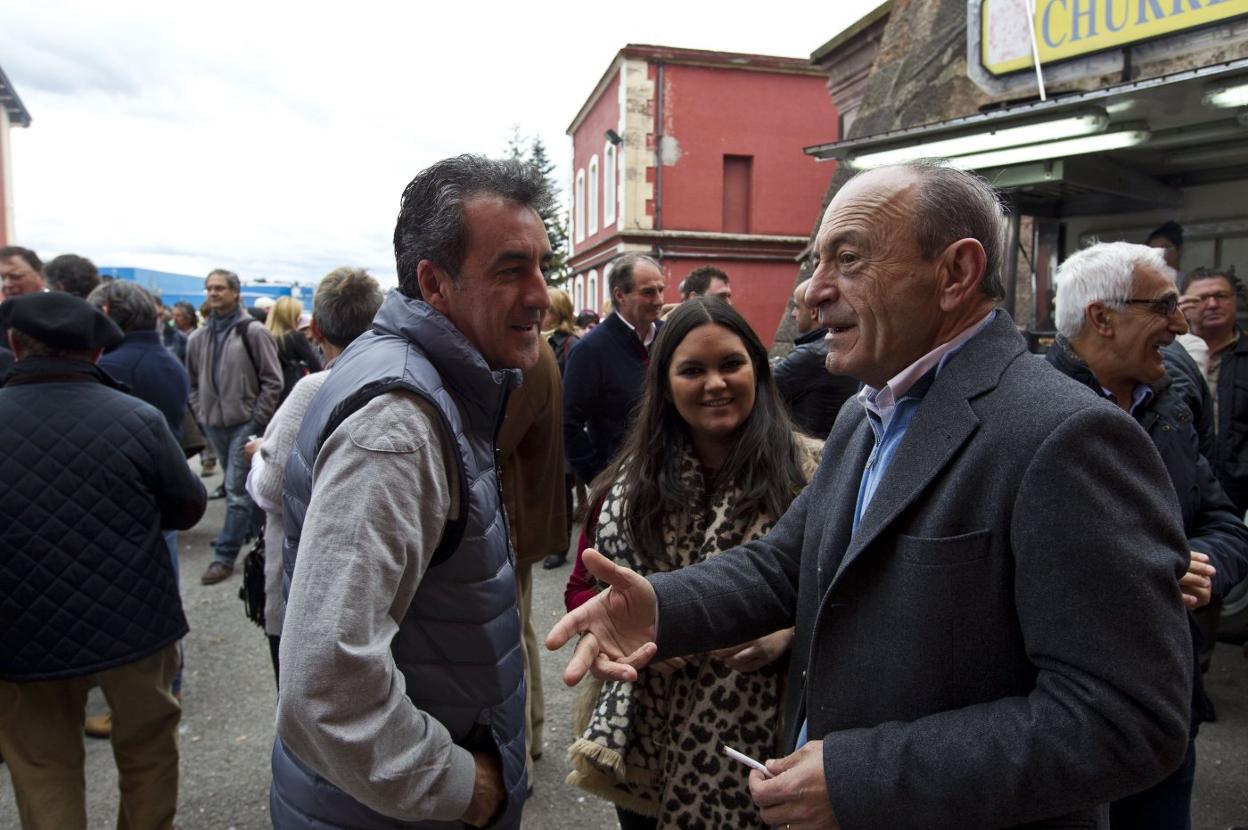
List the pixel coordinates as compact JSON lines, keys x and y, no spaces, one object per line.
{"x":606,"y":369}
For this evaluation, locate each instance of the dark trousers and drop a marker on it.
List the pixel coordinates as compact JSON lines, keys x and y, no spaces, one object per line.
{"x":1163,"y":806}
{"x":274,"y":644}
{"x":635,"y":821}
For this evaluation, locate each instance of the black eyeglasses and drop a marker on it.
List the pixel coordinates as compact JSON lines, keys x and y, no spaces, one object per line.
{"x":1162,"y":306}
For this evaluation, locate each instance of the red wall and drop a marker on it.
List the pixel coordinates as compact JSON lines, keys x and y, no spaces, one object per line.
{"x":760,"y":290}
{"x":716,"y":112}
{"x":725,"y":111}
{"x":590,"y":140}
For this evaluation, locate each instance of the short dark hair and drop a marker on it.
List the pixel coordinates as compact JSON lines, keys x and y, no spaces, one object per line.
{"x":621,"y":273}
{"x":130,"y":305}
{"x":32,"y":259}
{"x":954,"y":204}
{"x":231,"y":279}
{"x":431,"y":222}
{"x":1171,"y":231}
{"x":699,"y":280}
{"x":1204,"y":273}
{"x":345,"y":303}
{"x":72,"y":274}
{"x":586,"y":317}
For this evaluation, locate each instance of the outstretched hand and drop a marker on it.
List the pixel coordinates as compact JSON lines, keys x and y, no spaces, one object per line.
{"x":617,"y":627}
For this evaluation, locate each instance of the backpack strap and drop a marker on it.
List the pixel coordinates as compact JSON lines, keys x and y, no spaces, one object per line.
{"x":241,"y":327}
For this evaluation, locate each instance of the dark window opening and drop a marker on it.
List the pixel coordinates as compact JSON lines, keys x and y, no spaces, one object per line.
{"x":737,"y":173}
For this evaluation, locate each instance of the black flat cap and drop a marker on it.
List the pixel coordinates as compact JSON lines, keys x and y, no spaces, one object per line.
{"x":61,"y":321}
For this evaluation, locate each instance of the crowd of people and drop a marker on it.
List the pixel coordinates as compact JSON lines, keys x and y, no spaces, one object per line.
{"x":920,"y":576}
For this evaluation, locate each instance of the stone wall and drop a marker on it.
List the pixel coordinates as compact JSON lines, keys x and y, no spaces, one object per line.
{"x":920,"y":77}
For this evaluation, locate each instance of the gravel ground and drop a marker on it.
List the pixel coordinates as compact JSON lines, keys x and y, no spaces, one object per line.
{"x":227,"y":723}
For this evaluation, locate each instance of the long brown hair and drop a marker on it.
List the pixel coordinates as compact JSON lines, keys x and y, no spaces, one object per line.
{"x":763,"y":464}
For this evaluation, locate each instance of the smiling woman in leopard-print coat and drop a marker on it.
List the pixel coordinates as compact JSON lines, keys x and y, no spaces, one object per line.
{"x":711,"y":462}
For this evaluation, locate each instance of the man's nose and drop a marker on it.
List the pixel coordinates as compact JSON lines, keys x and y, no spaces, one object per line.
{"x":1178,"y":322}
{"x":535,"y":294}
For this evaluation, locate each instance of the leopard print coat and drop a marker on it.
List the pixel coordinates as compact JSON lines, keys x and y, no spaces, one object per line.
{"x":655,"y":746}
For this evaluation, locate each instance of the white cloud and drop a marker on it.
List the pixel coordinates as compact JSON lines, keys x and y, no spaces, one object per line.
{"x":276,"y":138}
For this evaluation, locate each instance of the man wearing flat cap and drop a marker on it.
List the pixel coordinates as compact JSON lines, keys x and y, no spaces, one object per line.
{"x":89,"y":476}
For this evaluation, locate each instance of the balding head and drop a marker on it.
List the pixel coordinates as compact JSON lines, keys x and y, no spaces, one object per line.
{"x":803,"y":314}
{"x":909,"y":258}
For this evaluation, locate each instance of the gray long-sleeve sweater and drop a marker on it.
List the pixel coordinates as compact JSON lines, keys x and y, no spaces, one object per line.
{"x":383,"y":489}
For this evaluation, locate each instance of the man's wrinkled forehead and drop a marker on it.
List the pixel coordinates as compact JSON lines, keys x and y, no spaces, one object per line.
{"x":872,"y":201}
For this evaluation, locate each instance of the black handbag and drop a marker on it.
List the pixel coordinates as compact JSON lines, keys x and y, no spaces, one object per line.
{"x":193,"y":441}
{"x":251,"y":592}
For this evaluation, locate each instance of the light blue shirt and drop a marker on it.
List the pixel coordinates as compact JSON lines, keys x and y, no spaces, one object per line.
{"x":890,"y":411}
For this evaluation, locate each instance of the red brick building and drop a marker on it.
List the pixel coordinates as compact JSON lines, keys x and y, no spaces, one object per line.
{"x":695,"y":157}
{"x":12,"y":114}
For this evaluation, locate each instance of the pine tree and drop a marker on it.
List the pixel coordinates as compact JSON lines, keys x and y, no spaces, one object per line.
{"x":515,"y":144}
{"x":553,"y":215}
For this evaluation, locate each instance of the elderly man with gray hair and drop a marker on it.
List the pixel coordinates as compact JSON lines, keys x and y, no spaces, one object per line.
{"x":606,"y":370}
{"x":1117,"y":310}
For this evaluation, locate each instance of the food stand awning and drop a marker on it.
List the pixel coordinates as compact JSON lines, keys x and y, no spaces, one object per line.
{"x":1121,"y":148}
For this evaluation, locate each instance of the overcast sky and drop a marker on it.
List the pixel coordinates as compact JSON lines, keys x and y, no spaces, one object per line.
{"x":274,"y":139}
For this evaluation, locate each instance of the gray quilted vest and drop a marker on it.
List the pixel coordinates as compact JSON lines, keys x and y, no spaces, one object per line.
{"x":466,"y":602}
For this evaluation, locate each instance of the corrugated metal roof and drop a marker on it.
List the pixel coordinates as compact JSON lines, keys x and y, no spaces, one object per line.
{"x":1171,"y":101}
{"x":19,"y":116}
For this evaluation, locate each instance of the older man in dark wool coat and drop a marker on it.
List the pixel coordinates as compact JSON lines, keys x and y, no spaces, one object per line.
{"x":983,"y":573}
{"x":89,"y":476}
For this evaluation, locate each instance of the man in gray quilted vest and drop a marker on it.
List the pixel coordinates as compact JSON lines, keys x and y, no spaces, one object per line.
{"x":402,"y":678}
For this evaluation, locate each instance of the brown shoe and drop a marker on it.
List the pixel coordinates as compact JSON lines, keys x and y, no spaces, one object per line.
{"x":98,"y":726}
{"x":217,"y":572}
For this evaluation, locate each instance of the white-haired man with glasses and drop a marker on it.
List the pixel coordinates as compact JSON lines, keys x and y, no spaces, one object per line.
{"x":1117,"y":308}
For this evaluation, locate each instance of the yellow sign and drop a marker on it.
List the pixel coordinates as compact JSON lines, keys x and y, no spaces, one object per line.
{"x":1066,"y":29}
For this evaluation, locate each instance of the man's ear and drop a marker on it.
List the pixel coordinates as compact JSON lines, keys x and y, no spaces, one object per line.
{"x":961,"y":270}
{"x":1100,"y":318}
{"x":13,"y":347}
{"x":315,"y":331}
{"x":434,"y":284}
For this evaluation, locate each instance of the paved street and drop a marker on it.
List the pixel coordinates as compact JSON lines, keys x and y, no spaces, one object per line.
{"x":227,"y":724}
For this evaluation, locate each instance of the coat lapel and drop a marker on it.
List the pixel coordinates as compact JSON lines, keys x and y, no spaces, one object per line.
{"x":838,"y":523}
{"x":944,"y":422}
